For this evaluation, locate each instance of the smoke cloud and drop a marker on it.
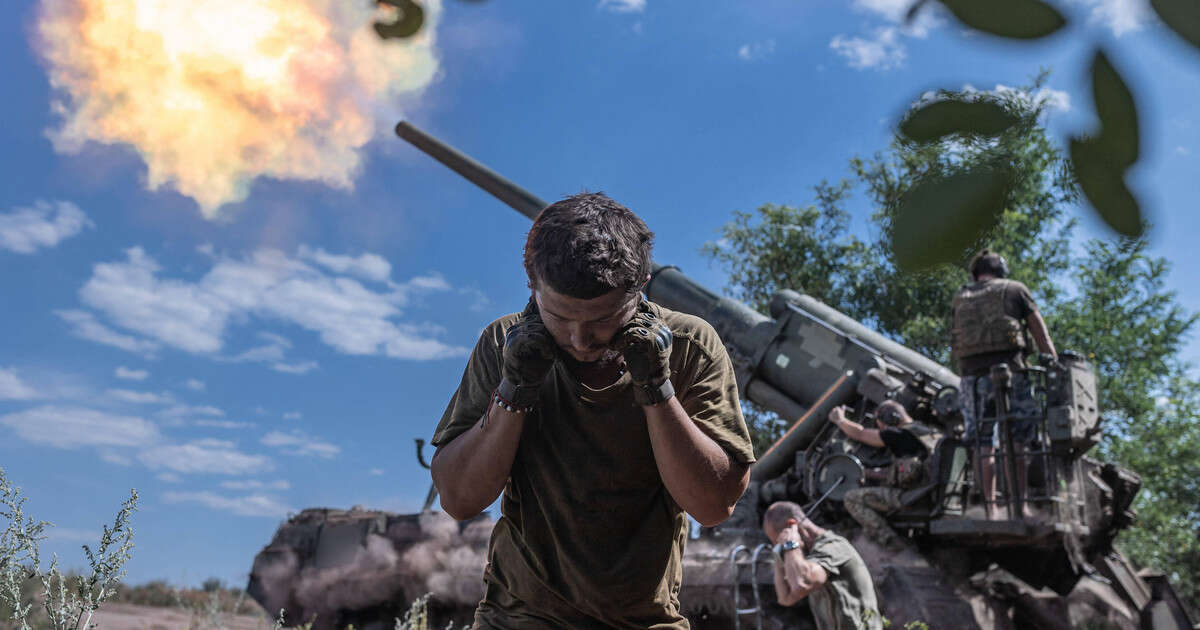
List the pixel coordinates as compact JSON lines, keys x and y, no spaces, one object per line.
{"x":328,"y":567}
{"x":216,"y":93}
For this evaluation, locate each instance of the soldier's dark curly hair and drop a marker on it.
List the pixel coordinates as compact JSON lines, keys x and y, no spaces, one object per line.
{"x":587,"y":245}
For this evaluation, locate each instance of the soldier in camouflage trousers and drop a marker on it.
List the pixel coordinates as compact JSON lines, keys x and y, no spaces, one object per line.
{"x":910,"y":445}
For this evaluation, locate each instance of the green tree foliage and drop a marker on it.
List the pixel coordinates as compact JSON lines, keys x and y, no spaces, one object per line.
{"x":1104,"y":298}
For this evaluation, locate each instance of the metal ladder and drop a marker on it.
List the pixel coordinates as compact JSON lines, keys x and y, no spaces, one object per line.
{"x":740,"y":558}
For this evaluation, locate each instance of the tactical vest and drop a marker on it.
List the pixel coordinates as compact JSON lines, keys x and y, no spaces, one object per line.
{"x":981,"y":325}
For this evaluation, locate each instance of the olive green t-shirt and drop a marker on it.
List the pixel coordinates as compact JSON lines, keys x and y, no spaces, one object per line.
{"x":589,"y":537}
{"x":847,"y":600}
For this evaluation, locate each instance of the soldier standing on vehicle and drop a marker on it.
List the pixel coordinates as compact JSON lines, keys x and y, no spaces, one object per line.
{"x":990,"y":316}
{"x":813,"y":562}
{"x":602,"y":420}
{"x":910,"y":445}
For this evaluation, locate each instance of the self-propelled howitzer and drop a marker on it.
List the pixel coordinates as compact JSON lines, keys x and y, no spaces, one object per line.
{"x":806,"y":357}
{"x":800,"y":361}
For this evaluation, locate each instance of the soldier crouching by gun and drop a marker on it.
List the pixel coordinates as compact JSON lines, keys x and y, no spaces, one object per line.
{"x":909,"y":444}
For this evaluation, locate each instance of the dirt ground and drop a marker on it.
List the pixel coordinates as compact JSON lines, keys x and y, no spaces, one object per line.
{"x":117,"y":616}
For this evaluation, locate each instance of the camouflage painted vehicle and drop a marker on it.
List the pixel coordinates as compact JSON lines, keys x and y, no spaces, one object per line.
{"x":962,"y":571}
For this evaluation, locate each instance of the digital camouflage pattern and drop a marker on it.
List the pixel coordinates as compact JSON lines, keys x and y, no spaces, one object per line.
{"x":977,"y":398}
{"x":868,"y":506}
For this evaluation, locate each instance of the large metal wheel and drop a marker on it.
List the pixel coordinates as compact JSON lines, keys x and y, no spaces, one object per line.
{"x":836,"y":475}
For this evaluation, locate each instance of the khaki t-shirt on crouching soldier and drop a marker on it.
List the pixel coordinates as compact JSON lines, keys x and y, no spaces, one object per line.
{"x":589,"y":537}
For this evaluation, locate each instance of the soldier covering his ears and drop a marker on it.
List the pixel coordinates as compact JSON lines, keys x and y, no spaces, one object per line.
{"x":601,"y":420}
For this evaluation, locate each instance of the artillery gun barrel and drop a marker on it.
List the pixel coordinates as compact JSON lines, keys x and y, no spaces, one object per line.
{"x":787,"y":363}
{"x":853,"y":329}
{"x":511,"y":194}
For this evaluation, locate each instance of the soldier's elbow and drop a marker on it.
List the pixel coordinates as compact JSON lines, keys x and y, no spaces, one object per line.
{"x":714,"y":517}
{"x":458,"y":510}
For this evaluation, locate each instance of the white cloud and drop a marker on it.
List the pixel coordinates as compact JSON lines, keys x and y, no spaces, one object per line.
{"x":174,"y":312}
{"x":195,"y":316}
{"x":273,"y":352}
{"x":249,"y":505}
{"x":177,"y":412}
{"x":375,"y":472}
{"x":896,"y":12}
{"x":367,"y":266}
{"x":254,"y":484}
{"x":204,"y":456}
{"x":892,"y":10}
{"x":299,"y":443}
{"x":13,"y":388}
{"x":115,"y":458}
{"x":169,"y":477}
{"x":431,"y":282}
{"x":756,"y":50}
{"x":624,"y":6}
{"x":45,"y":224}
{"x":72,"y":427}
{"x":882,"y":51}
{"x":224,"y":424}
{"x":195,"y":385}
{"x":1051,"y":99}
{"x":291,"y":415}
{"x":884,"y":48}
{"x":1121,"y":16}
{"x":129,"y":374}
{"x":87,"y":327}
{"x":1179,"y":150}
{"x":302,"y":367}
{"x":139,"y":398}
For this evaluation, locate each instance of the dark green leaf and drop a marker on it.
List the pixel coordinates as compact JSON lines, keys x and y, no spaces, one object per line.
{"x":1103,"y":183}
{"x":941,"y":217}
{"x":1183,"y":16}
{"x":407,"y":24}
{"x":937,"y":120}
{"x":1118,"y":113}
{"x":1018,"y":19}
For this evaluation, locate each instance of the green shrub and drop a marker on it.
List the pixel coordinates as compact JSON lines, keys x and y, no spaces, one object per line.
{"x":67,"y":602}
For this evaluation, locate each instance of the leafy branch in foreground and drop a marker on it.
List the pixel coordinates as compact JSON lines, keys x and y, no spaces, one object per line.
{"x":67,"y":608}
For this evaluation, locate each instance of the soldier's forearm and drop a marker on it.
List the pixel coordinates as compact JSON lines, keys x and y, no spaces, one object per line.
{"x":470,"y":471}
{"x":1041,"y":336}
{"x":702,"y":478}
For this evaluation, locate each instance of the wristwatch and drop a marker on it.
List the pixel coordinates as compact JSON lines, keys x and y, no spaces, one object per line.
{"x":786,"y":545}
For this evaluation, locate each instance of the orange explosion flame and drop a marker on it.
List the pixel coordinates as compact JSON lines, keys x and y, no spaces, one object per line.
{"x":214,"y":93}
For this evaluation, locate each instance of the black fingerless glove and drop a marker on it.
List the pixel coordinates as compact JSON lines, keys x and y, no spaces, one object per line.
{"x":645,"y":342}
{"x":529,"y":353}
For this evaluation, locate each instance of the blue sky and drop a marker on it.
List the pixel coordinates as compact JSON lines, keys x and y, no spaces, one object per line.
{"x":243,"y":314}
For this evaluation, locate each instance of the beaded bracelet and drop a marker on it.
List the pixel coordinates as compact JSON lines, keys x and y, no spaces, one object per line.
{"x":507,"y":406}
